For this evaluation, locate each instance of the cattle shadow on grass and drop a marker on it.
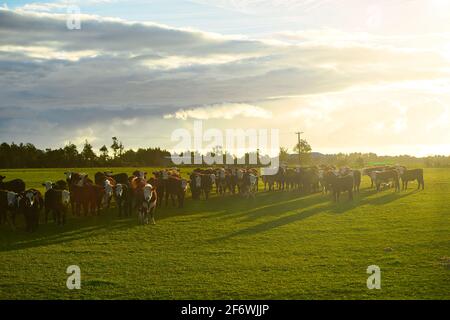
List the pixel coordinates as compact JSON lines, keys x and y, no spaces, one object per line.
{"x":274,"y":205}
{"x":75,"y":229}
{"x":369,"y":198}
{"x":306,"y":208}
{"x":279,"y":222}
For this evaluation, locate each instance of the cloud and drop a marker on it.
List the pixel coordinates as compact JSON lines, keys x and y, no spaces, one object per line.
{"x":115,"y":77}
{"x":254,"y":7}
{"x":221,"y":111}
{"x":45,"y":65}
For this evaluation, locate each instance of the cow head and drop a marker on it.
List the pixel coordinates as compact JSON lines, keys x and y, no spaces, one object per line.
{"x":108,"y":187}
{"x":119,"y":190}
{"x":198,"y":181}
{"x":253,"y":179}
{"x":81,"y":180}
{"x":30,"y":198}
{"x":108,"y":190}
{"x":65,"y":197}
{"x":68,"y":175}
{"x":13,"y":199}
{"x":148,"y":192}
{"x":184,"y":184}
{"x":401,"y":170}
{"x":48,"y":185}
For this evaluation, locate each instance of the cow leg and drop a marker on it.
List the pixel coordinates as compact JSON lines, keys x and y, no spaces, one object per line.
{"x":63,"y":216}
{"x":129,"y":205}
{"x":85,"y":208}
{"x":119,"y":206}
{"x":14,"y":218}
{"x":167,"y":199}
{"x":152,"y":215}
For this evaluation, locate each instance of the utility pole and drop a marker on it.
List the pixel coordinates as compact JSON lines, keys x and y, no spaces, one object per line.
{"x":299,"y":141}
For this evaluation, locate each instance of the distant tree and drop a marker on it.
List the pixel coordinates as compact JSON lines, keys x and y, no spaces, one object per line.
{"x":104,"y":153}
{"x":359,"y":162}
{"x":115,"y":146}
{"x":71,"y":155}
{"x":88,"y":154}
{"x":304,"y":149}
{"x":284,"y":155}
{"x":121,"y":148}
{"x":342,"y":160}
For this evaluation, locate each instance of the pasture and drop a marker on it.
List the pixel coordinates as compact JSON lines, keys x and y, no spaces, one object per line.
{"x":278,"y":246}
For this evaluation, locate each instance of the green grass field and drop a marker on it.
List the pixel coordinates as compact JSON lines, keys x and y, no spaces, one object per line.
{"x":277,"y":246}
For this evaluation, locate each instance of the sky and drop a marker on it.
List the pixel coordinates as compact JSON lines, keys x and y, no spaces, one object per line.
{"x":353,"y":75}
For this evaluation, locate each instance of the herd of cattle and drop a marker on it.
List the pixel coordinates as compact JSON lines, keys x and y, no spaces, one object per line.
{"x":143,"y":195}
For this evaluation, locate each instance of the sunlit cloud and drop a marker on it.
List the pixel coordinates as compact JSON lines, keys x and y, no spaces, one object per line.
{"x":221,"y":111}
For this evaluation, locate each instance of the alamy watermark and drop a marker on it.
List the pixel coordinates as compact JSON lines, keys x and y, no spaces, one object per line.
{"x":260,"y":145}
{"x":73,"y":21}
{"x":74,"y":279}
{"x":374,"y":280}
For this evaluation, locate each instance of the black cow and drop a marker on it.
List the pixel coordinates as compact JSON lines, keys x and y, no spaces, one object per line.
{"x":60,"y":185}
{"x":411,"y":175}
{"x":100,"y":178}
{"x":119,"y":177}
{"x":16,"y":185}
{"x":195,"y":185}
{"x":369,"y":172}
{"x":381,"y":177}
{"x":207,"y":184}
{"x":280,"y":178}
{"x":309,"y":179}
{"x":31,"y":205}
{"x":9,"y":203}
{"x":160,"y":182}
{"x":122,"y":195}
{"x":176,"y":188}
{"x":357,"y":180}
{"x":340,"y":184}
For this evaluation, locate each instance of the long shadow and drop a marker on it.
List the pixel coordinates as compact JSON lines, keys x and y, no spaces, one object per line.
{"x":305,"y":213}
{"x":266,"y":204}
{"x":50,"y":234}
{"x":363,"y":199}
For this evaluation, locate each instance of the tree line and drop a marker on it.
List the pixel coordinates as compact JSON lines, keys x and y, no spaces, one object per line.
{"x":28,"y":156}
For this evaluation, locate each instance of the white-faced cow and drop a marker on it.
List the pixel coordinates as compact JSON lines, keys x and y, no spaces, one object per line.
{"x":122,"y":195}
{"x":147,"y":205}
{"x":9,"y":204}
